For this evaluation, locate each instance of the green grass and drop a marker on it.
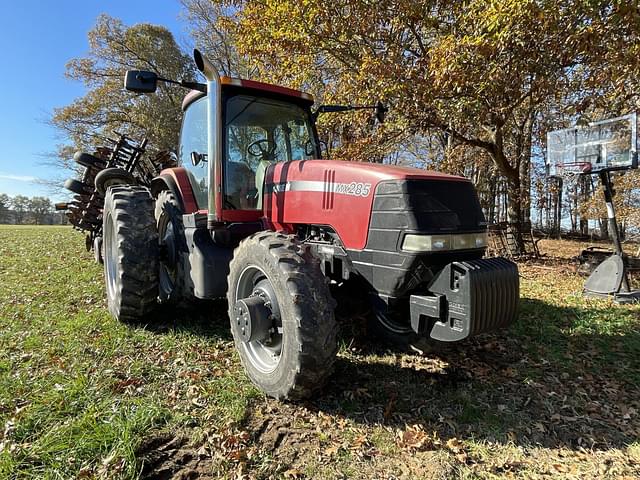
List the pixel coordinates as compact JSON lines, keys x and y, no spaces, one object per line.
{"x":77,"y":388}
{"x":80,"y":392}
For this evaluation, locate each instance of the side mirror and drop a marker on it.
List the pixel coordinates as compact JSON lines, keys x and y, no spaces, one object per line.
{"x":381,"y":111}
{"x":140,"y":81}
{"x":196,"y":158}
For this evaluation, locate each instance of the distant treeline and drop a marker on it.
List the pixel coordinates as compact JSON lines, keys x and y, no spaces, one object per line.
{"x":22,"y":210}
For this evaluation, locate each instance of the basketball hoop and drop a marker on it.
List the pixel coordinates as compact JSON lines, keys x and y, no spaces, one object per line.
{"x":572,"y":169}
{"x":599,"y":148}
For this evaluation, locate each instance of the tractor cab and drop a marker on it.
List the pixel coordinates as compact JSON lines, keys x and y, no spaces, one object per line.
{"x":260,"y":125}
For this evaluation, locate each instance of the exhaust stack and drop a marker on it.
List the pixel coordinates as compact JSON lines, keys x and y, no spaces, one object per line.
{"x":214,"y":140}
{"x":205,"y":66}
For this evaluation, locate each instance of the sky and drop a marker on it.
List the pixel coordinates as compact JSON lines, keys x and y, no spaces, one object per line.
{"x":37,"y":39}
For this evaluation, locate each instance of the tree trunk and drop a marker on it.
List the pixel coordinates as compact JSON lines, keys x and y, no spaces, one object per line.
{"x":493,"y":183}
{"x":558,"y":220}
{"x":514,"y":213}
{"x":547,"y":208}
{"x":525,"y":190}
{"x":524,"y":169}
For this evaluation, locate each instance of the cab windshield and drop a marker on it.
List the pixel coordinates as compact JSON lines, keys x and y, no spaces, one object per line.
{"x":260,"y":131}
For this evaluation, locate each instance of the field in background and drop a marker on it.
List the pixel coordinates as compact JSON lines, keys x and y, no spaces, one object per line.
{"x":83,"y":396}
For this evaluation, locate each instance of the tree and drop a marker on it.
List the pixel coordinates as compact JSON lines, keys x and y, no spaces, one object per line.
{"x":113,"y":49}
{"x":480,"y":72}
{"x":20,"y":206}
{"x":5,"y":202}
{"x":352,"y":136}
{"x":40,"y":207}
{"x":214,"y":38}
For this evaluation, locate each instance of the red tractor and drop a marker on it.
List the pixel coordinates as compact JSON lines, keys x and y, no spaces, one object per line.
{"x":253,"y":214}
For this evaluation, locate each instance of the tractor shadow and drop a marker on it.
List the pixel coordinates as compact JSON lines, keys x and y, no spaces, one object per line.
{"x":206,"y":319}
{"x":561,"y":377}
{"x":534,"y":384}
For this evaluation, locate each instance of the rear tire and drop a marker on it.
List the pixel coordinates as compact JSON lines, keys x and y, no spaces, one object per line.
{"x":298,"y":357}
{"x":130,"y":247}
{"x":110,"y":177}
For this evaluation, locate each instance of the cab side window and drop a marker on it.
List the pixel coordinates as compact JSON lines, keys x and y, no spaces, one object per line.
{"x":193,"y":138}
{"x":259,"y":132}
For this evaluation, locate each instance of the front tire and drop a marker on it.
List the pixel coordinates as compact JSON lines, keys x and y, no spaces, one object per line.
{"x":392,"y":326}
{"x":295,"y":354}
{"x":130,"y":246}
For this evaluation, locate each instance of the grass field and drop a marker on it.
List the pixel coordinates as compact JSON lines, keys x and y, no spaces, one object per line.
{"x":83,"y":396}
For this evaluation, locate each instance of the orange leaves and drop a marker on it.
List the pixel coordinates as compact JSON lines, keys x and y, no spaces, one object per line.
{"x":414,"y":438}
{"x":293,"y":473}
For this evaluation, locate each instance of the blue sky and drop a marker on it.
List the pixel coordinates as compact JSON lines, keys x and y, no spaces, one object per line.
{"x":37,"y":38}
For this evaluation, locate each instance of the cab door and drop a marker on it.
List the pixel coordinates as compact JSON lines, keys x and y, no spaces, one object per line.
{"x":192,"y":152}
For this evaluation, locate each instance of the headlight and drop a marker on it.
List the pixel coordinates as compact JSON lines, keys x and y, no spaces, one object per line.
{"x":426,"y":243}
{"x":441,"y":243}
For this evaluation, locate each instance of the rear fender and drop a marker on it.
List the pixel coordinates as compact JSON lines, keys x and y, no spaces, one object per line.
{"x":177,"y":181}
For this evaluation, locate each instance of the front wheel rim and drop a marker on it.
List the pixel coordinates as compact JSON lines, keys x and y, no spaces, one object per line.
{"x":263,"y":355}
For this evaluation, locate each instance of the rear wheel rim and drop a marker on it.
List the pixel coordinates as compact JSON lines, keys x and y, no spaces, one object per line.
{"x":110,"y":257}
{"x":168,"y":266}
{"x":265,"y":354}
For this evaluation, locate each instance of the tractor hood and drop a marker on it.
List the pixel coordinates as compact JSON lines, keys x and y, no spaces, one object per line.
{"x":373,"y":171}
{"x":341,"y":194}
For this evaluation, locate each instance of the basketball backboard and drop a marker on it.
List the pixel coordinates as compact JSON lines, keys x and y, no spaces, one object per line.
{"x":603,"y":145}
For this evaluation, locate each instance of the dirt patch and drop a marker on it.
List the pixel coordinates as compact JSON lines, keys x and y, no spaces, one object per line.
{"x":164,"y":456}
{"x":308,"y":442}
{"x":283,"y":429}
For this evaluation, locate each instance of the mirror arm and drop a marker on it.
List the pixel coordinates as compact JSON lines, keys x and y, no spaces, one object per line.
{"x":344,"y":108}
{"x":201,"y":87}
{"x":330,"y":108}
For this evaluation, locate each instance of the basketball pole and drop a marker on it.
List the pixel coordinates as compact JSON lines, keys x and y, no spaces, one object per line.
{"x":607,"y":186}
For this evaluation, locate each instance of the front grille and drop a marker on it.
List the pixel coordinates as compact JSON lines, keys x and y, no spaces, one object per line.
{"x":422,"y":206}
{"x":427,"y":206}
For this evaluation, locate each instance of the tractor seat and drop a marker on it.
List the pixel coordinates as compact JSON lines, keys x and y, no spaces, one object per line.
{"x":240,"y":186}
{"x":200,"y":189}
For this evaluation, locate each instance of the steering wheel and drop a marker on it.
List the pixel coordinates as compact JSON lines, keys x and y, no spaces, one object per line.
{"x":262,"y":148}
{"x":309,"y":148}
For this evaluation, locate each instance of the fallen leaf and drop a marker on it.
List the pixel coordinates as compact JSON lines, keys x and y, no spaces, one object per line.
{"x":359,"y":442}
{"x":414,"y":438}
{"x":455,"y":445}
{"x":293,"y":473}
{"x":560,"y":468}
{"x":332,"y":450}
